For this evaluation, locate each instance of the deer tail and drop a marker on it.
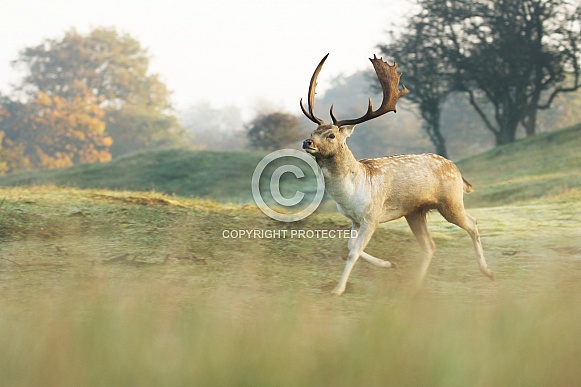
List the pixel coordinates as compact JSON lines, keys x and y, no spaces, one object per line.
{"x":467,"y":186}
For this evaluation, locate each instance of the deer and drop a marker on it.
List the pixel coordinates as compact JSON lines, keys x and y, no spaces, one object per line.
{"x":373,"y":191}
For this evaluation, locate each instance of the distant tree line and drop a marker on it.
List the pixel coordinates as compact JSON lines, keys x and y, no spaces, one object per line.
{"x":84,"y":98}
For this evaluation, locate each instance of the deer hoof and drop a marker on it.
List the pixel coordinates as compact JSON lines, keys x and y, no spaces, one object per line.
{"x":487,"y":272}
{"x":338,"y":290}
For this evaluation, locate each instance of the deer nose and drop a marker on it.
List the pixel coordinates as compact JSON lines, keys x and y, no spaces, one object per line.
{"x":307,"y":144}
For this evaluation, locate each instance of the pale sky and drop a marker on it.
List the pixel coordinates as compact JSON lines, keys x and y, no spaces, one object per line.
{"x":226,"y":52}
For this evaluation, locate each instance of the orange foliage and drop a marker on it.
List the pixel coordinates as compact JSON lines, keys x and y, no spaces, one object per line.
{"x":68,"y":132}
{"x":12,"y":155}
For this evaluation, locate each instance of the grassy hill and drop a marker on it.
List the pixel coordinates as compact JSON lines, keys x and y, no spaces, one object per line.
{"x":221,"y":176}
{"x":546,"y":164}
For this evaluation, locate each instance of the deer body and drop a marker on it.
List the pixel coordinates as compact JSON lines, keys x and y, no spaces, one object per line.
{"x":374,"y":191}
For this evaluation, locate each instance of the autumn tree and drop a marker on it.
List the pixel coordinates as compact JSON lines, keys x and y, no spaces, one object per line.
{"x":114,"y":68}
{"x":52,"y":132}
{"x":66,"y":132}
{"x":272,"y":131}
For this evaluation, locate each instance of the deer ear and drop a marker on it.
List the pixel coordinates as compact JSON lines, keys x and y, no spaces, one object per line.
{"x":347,"y":130}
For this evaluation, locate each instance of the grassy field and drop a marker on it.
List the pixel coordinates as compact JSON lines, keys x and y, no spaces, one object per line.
{"x":105,"y":288}
{"x":220,"y":176}
{"x":110,"y":287}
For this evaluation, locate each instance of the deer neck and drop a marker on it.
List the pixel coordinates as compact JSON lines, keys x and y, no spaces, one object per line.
{"x":341,"y":172}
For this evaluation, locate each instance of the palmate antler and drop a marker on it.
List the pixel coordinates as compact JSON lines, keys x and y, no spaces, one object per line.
{"x":389,"y":80}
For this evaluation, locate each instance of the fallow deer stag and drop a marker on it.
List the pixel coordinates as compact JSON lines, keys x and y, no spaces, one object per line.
{"x":373,"y":191}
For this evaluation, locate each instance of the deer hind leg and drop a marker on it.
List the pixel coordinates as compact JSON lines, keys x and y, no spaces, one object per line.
{"x":458,"y":216}
{"x":356,"y":246}
{"x":368,"y":257}
{"x":418,"y":224}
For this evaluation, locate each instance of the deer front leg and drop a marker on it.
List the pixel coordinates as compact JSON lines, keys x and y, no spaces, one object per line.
{"x":356,"y":247}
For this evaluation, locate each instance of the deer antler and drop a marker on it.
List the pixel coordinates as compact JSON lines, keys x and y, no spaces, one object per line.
{"x":310,"y":115}
{"x":389,"y":79}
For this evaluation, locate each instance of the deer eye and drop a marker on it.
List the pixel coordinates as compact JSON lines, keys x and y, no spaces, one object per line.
{"x":331,"y":136}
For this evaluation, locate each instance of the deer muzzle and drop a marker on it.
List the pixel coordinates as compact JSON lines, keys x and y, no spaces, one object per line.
{"x":308,"y":145}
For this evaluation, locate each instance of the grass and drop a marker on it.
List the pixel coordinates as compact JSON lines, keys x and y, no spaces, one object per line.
{"x":172,"y":171}
{"x":544,"y":165}
{"x":220,"y":176}
{"x":131,"y":288}
{"x":125,"y":341}
{"x":540,"y":166}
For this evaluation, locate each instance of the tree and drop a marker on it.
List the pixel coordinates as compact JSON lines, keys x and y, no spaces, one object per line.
{"x":427,"y":74}
{"x":66,"y":133}
{"x":272,"y":131}
{"x":136,"y":127}
{"x":113,"y":68}
{"x":10,"y":156}
{"x":13,"y":127}
{"x":513,"y":54}
{"x":52,"y":132}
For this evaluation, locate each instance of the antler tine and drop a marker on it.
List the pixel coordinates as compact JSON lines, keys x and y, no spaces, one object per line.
{"x":389,"y":80}
{"x":311,"y":100}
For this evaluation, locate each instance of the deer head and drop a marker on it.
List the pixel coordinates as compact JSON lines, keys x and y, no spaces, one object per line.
{"x":329,"y":139}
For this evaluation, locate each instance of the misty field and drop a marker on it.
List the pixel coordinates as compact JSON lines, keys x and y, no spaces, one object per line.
{"x":127,"y":288}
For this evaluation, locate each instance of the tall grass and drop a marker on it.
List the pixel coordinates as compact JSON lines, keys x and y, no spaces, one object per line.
{"x":144,"y":337}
